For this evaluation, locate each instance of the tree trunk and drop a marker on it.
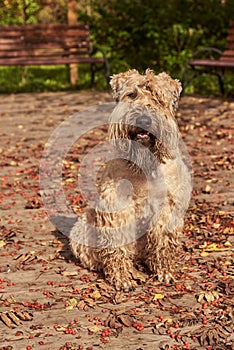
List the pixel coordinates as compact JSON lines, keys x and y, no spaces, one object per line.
{"x":72,"y":18}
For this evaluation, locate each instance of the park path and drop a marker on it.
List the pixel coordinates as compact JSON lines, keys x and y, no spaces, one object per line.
{"x":49,"y":302}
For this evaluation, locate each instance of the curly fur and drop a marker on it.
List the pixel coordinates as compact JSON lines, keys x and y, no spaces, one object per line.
{"x":144,"y":191}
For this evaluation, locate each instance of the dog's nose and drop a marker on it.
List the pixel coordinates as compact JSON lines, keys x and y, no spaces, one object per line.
{"x":143,"y":122}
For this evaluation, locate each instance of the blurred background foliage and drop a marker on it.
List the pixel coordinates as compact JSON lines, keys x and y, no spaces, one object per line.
{"x":137,"y":34}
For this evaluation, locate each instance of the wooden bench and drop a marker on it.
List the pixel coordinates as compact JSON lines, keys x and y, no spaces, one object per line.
{"x":215,"y":63}
{"x":24,"y":45}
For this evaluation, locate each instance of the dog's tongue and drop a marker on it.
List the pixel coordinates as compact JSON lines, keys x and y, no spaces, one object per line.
{"x":143,"y":135}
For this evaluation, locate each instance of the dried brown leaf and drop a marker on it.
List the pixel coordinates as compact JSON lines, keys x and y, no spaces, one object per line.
{"x":126,"y":320}
{"x":188,"y":320}
{"x":207,"y":296}
{"x":90,"y":302}
{"x":118,"y":298}
{"x":14,"y":318}
{"x":6,"y":320}
{"x":227,"y":286}
{"x":26,"y":257}
{"x":110,"y":320}
{"x":24,"y":315}
{"x":211,"y":335}
{"x":82,"y":305}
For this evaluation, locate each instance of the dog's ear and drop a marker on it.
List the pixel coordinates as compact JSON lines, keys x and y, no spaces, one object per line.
{"x":118,"y":81}
{"x":172,"y":87}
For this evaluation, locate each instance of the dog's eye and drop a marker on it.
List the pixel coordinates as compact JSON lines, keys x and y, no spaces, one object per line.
{"x":132,"y":95}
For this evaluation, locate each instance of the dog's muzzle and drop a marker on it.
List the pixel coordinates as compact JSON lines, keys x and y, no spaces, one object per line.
{"x":142,"y":130}
{"x":144,"y":122}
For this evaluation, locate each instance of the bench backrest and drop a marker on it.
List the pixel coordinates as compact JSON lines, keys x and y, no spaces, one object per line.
{"x":228,"y":54}
{"x":44,"y":40}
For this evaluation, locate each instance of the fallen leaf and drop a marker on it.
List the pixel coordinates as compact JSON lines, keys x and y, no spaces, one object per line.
{"x":6,"y":320}
{"x":126,"y":320}
{"x":212,"y":335}
{"x":214,"y":247}
{"x":14,"y":318}
{"x":110,"y":320}
{"x":82,"y":305}
{"x":204,"y":254}
{"x":2,"y":243}
{"x":69,"y":273}
{"x":95,"y":295}
{"x":94,"y":329}
{"x":71,"y":304}
{"x":61,"y":329}
{"x":208,"y":296}
{"x":158,"y":296}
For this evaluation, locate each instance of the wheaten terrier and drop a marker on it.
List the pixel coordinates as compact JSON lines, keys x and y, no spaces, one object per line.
{"x":144,"y":190}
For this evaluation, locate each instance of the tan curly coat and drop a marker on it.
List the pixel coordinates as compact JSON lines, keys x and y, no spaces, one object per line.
{"x":144,"y":191}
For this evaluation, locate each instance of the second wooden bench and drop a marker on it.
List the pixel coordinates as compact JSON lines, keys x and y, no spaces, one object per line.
{"x":199,"y":64}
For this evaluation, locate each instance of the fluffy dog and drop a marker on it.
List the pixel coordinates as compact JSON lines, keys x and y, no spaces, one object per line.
{"x":144,"y":190}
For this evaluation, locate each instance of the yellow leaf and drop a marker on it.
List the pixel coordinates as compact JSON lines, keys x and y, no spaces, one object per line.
{"x":213,"y":247}
{"x":61,"y":329}
{"x":209,"y":296}
{"x":94,"y":329}
{"x":204,"y":254}
{"x":11,"y":300}
{"x":69,"y":181}
{"x":158,"y":296}
{"x":207,"y":189}
{"x":95,"y":295}
{"x":228,"y":230}
{"x":201,"y":297}
{"x":216,"y":225}
{"x":2,"y":243}
{"x":71,"y":304}
{"x":204,"y":245}
{"x":227,"y":244}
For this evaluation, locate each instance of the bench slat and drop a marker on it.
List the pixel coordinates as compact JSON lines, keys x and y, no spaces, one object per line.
{"x":227,"y":54}
{"x":230,"y":46}
{"x":33,"y":28}
{"x":48,"y":53}
{"x":43,"y":61}
{"x":50,"y":46}
{"x":211,"y":63}
{"x":27,"y":33}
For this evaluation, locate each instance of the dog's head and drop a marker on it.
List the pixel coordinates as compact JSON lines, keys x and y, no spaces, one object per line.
{"x":145,"y":112}
{"x":158,"y":92}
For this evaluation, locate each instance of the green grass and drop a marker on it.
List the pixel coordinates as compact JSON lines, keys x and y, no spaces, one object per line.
{"x":46,"y":78}
{"x":208,"y":84}
{"x":56,"y":78}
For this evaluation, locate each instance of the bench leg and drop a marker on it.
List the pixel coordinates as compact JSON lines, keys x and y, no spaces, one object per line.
{"x":106,"y":72}
{"x":93,"y":71}
{"x":221,"y":82}
{"x":187,"y":77}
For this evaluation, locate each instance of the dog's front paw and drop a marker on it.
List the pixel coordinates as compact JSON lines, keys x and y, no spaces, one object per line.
{"x":161,"y":269}
{"x":120,"y":280}
{"x":166,"y":277}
